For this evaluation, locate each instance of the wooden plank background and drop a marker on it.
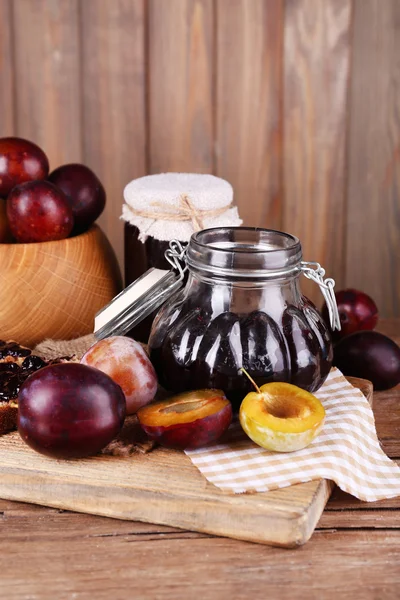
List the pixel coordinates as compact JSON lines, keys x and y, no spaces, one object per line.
{"x":296,"y":102}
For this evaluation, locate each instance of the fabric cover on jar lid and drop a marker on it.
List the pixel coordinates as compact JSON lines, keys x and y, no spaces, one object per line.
{"x":173,"y":205}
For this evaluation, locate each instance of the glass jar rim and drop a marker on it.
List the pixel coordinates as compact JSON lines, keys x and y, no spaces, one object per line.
{"x":196,"y":237}
{"x":244,"y":253}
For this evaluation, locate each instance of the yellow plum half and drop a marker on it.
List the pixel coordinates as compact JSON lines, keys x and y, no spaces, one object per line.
{"x":281,"y":417}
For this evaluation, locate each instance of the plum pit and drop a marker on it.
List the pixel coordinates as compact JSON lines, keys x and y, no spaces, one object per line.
{"x":184,"y":406}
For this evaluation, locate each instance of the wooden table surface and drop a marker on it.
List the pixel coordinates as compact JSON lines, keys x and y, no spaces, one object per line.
{"x":354,"y":553}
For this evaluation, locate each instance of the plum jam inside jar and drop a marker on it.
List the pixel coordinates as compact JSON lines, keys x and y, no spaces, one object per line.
{"x":242,"y":307}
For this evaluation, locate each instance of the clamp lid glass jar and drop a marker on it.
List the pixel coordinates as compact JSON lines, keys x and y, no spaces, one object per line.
{"x":242,"y":307}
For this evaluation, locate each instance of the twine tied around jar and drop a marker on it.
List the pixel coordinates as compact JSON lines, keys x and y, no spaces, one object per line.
{"x":185,"y":212}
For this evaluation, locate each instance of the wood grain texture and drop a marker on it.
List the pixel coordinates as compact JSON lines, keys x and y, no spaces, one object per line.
{"x":163,"y":487}
{"x":373,"y":242}
{"x":387,"y":421}
{"x":47,"y":77}
{"x":66,"y":554}
{"x":316,"y":71}
{"x":361,"y":518}
{"x":248,"y":106}
{"x":113,"y":89}
{"x":54,"y":289}
{"x":7,"y":124}
{"x":180,"y":79}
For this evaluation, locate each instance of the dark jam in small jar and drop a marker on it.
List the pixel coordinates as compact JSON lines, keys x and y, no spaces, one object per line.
{"x":242,"y":307}
{"x":139,"y":257}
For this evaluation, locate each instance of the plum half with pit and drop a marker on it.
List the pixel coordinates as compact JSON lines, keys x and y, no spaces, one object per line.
{"x":20,"y":161}
{"x":84,"y":191}
{"x":37,"y":211}
{"x":187,"y":421}
{"x":70,"y":410}
{"x":281,"y":417}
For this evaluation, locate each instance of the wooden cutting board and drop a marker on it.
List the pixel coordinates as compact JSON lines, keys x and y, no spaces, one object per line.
{"x":163,"y":487}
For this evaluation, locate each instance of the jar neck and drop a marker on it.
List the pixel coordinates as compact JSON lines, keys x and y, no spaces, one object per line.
{"x":200,"y":279}
{"x":245,"y":254}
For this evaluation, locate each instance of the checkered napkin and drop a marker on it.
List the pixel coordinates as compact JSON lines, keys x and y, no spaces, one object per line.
{"x":346,"y":451}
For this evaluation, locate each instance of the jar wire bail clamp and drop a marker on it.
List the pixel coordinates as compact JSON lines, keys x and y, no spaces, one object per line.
{"x":314,"y":271}
{"x":175,"y":255}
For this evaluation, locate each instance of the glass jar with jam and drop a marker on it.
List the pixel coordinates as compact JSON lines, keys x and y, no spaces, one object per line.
{"x":242,"y":307}
{"x":169,"y":206}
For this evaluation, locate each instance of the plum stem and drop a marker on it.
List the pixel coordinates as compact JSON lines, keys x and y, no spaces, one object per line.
{"x":251,"y":379}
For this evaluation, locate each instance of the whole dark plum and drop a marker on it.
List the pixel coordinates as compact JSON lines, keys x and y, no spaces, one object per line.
{"x":39,"y":212}
{"x":357,"y":312}
{"x":20,"y":161}
{"x":70,"y":410}
{"x":369,"y":355}
{"x":84,"y":191}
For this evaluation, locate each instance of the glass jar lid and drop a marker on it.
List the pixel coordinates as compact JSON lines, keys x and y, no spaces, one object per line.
{"x":142,"y":297}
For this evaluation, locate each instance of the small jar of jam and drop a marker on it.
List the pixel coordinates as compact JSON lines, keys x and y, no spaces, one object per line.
{"x":242,"y":307}
{"x":169,"y":206}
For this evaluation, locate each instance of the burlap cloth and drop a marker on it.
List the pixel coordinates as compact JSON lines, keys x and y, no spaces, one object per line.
{"x":50,"y":349}
{"x":131,"y":439}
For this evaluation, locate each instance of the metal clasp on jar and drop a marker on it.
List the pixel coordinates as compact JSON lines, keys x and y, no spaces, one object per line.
{"x":314,"y":271}
{"x":175,"y":255}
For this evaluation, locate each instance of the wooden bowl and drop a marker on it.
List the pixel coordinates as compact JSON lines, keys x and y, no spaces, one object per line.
{"x":54,"y":289}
